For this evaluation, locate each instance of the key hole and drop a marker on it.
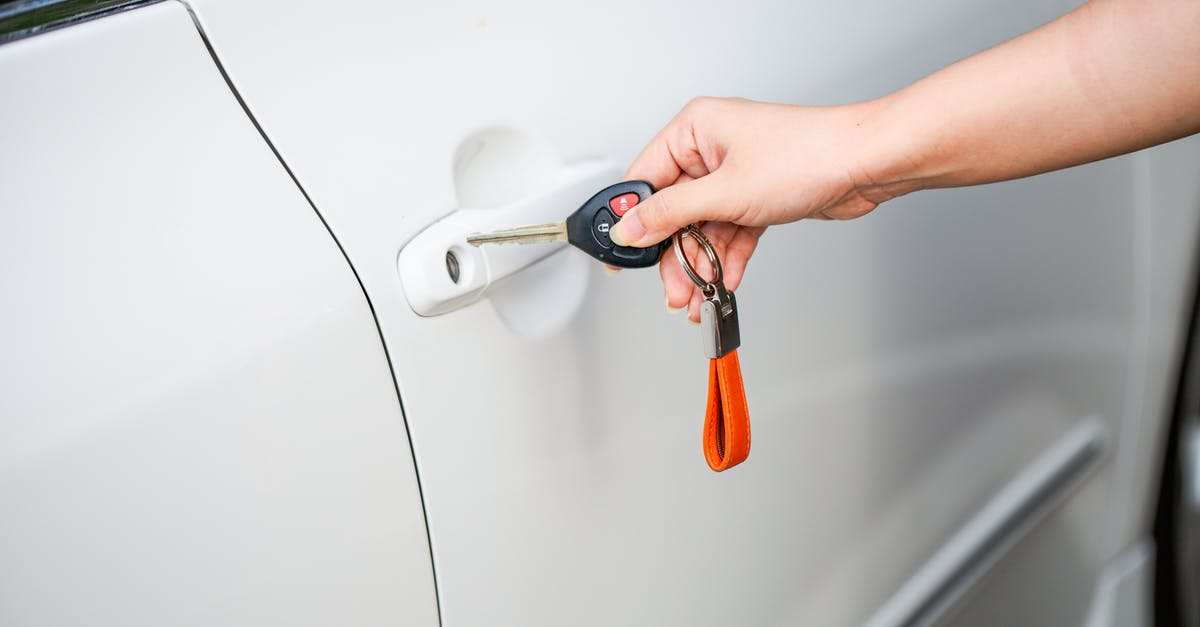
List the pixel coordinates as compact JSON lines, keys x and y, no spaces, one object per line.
{"x":452,"y":266}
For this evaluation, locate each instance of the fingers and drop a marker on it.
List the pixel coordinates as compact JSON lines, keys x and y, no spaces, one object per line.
{"x":733,"y":245}
{"x":705,"y":270}
{"x":672,"y":152}
{"x":693,"y":313}
{"x":676,"y":286}
{"x":737,"y":254}
{"x":656,"y":218}
{"x":655,"y":165}
{"x":684,"y":162}
{"x":680,"y":291}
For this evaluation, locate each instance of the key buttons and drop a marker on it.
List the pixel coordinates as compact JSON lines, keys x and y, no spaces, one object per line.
{"x":601,"y":225}
{"x":624,"y":202}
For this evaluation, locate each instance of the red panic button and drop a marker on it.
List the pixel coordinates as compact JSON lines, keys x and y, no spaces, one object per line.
{"x":623,"y":203}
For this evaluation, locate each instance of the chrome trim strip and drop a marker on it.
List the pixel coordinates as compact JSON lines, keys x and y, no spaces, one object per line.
{"x":27,"y":18}
{"x":942,"y":580}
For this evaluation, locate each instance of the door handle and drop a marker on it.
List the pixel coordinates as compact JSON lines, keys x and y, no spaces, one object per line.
{"x":440,"y":272}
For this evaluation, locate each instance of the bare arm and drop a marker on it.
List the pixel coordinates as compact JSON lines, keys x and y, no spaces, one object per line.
{"x":1111,"y":77}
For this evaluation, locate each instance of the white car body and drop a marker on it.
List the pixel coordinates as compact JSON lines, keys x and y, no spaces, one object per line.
{"x":220,"y":408}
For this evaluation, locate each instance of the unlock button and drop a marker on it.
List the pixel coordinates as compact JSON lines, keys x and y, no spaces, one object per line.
{"x":601,"y":225}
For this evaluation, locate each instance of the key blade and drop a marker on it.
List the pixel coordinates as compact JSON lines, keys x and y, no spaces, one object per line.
{"x":532,"y":234}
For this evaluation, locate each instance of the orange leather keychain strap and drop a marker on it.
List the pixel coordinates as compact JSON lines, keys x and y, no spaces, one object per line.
{"x":727,"y":420}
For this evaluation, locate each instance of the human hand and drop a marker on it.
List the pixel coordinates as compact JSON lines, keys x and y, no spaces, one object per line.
{"x":737,"y":166}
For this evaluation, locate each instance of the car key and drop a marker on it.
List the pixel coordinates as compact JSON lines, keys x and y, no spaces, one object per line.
{"x":588,"y":228}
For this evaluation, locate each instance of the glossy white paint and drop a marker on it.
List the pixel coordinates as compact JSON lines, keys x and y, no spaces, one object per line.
{"x":901,"y":369}
{"x":1046,"y":579}
{"x":211,"y":437}
{"x":1125,"y":590}
{"x":1018,"y":507}
{"x":197,"y":423}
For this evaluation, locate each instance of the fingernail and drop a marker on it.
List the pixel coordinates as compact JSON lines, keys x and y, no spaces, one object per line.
{"x":694,"y":323}
{"x":672,"y":310}
{"x":628,"y":230}
{"x":611,"y":271}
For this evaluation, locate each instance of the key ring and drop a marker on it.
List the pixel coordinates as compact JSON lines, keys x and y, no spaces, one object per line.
{"x":694,"y":232}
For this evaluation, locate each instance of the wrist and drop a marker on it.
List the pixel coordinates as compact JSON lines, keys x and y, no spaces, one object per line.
{"x":892,"y":161}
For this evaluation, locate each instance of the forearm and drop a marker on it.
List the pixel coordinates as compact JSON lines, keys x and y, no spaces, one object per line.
{"x":1111,"y":77}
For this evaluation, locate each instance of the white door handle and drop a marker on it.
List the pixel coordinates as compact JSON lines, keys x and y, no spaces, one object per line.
{"x":440,"y":272}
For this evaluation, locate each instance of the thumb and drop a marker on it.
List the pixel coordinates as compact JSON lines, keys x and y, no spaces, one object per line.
{"x":658,"y":217}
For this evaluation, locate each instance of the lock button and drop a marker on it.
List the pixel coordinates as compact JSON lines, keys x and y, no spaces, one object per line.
{"x":601,"y":225}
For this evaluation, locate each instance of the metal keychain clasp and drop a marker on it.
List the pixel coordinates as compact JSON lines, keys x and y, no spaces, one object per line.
{"x":718,"y":310}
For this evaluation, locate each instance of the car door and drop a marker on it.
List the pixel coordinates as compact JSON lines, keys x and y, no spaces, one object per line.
{"x":950,"y":397}
{"x":955,"y":400}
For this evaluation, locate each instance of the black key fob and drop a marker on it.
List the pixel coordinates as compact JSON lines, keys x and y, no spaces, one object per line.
{"x":589,"y":227}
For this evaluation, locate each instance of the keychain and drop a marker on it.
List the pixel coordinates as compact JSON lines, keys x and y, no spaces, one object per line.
{"x":726,"y":419}
{"x":726,"y":438}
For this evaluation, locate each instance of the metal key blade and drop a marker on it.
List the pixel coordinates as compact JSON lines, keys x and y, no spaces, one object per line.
{"x":532,"y":234}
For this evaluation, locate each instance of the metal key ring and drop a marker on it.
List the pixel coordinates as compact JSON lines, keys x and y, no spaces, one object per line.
{"x":696,"y":234}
